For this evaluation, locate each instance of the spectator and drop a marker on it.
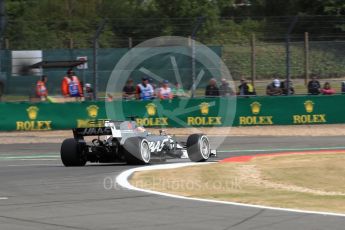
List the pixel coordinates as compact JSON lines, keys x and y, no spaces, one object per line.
{"x":71,"y":86}
{"x":165,"y":91}
{"x":274,"y":88}
{"x":224,"y":89}
{"x":41,"y":89}
{"x":128,"y":91}
{"x":110,"y":97}
{"x":65,"y":83}
{"x":314,"y":86}
{"x":178,"y":91}
{"x":246,"y":88}
{"x":88,"y":92}
{"x":343,"y":87}
{"x":327,"y":89}
{"x":287,"y":90}
{"x":144,"y":90}
{"x":212,"y":89}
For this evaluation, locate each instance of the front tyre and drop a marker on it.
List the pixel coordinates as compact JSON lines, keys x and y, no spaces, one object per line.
{"x":137,"y":151}
{"x":71,"y":153}
{"x":198,"y":147}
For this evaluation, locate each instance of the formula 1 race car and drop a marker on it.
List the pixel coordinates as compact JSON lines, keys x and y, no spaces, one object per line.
{"x":125,"y":142}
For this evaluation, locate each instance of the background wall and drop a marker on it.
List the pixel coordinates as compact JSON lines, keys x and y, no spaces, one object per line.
{"x":196,"y":112}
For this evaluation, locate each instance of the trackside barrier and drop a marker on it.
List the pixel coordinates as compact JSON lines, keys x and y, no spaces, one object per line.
{"x":199,"y":112}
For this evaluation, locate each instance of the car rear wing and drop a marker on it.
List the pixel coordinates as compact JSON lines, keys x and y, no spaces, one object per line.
{"x":79,"y":133}
{"x":102,"y":128}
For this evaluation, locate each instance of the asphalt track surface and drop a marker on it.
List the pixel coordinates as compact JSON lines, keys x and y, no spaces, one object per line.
{"x":42,"y":194}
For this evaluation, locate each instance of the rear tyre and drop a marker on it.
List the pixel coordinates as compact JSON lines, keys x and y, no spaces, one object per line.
{"x":198,"y":147}
{"x":71,"y":153}
{"x":137,"y":151}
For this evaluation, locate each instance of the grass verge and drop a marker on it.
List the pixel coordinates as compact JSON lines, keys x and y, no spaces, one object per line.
{"x":307,"y":182}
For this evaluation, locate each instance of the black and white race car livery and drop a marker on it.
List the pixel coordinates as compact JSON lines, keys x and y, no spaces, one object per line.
{"x":124,"y":141}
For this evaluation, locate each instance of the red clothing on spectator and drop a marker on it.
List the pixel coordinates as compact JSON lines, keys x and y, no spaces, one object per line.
{"x":65,"y":86}
{"x":41,"y":89}
{"x":327,"y":91}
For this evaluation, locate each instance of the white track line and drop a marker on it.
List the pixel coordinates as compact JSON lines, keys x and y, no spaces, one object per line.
{"x":29,"y":165}
{"x":280,"y":149}
{"x":122,"y":180}
{"x":3,"y":198}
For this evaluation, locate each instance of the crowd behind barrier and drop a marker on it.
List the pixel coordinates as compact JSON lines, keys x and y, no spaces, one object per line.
{"x":72,"y":87}
{"x":147,"y":89}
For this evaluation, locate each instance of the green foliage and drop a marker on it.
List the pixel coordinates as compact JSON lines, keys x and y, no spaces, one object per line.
{"x":50,"y":24}
{"x":326,"y":59}
{"x":47,"y":24}
{"x":230,"y":31}
{"x":64,"y":23}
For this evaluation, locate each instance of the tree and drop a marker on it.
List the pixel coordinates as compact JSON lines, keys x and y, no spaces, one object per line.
{"x":45,"y":24}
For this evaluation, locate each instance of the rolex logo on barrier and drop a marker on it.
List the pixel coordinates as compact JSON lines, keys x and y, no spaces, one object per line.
{"x":309,"y":106}
{"x":309,"y":118}
{"x":204,"y":108}
{"x":32,"y":124}
{"x":151,"y":109}
{"x":204,"y":119}
{"x":32,"y":112}
{"x":92,"y":111}
{"x":255,"y":108}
